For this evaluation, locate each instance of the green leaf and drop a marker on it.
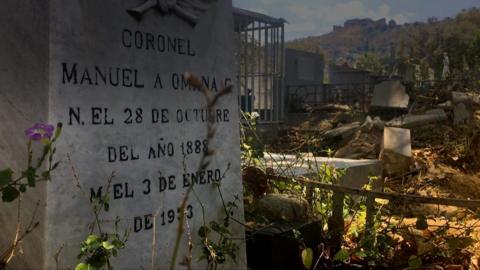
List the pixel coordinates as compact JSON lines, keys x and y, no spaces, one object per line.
{"x":5,"y":177}
{"x":9,"y":194}
{"x":107,"y":245}
{"x":118,"y":244}
{"x":342,"y":256}
{"x":414,"y":262}
{"x":203,"y":231}
{"x":91,"y":239}
{"x":82,"y":266}
{"x":307,"y":257}
{"x":360,"y":254}
{"x":23,"y":188}
{"x":30,"y":173}
{"x":421,"y":223}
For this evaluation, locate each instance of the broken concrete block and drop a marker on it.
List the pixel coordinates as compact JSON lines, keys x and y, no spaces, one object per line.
{"x":397,"y":140}
{"x":461,"y":97}
{"x":390,"y":94}
{"x":378,"y":123}
{"x":343,"y":132}
{"x":359,"y":172}
{"x":461,"y":114}
{"x":283,"y":207}
{"x":396,"y":152}
{"x":412,"y":121}
{"x":370,"y":123}
{"x":445,"y":105}
{"x":367,"y":125}
{"x":356,"y":171}
{"x":466,"y":97}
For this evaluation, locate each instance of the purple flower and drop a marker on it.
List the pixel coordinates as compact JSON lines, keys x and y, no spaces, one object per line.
{"x":40,"y":131}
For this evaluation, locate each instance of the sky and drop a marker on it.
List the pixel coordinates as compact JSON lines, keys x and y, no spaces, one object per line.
{"x":316,"y":17}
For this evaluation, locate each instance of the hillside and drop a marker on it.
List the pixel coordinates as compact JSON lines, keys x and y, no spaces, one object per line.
{"x":355,"y":37}
{"x":420,"y":40}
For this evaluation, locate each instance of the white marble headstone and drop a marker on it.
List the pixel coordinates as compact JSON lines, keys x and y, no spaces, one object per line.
{"x":115,"y":82}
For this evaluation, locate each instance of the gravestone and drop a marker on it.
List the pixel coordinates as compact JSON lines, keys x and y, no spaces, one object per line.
{"x":390,"y":94}
{"x":112,"y":72}
{"x":396,"y":152}
{"x":461,"y":114}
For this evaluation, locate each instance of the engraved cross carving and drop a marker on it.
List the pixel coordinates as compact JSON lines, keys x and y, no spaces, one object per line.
{"x":189,"y":10}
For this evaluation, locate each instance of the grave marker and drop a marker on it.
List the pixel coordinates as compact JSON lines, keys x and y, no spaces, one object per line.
{"x":114,"y":78}
{"x":390,"y":94}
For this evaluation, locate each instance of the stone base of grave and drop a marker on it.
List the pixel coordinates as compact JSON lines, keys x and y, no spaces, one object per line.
{"x":275,"y":247}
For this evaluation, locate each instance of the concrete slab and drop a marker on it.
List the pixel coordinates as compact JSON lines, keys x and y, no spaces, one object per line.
{"x":357,"y":172}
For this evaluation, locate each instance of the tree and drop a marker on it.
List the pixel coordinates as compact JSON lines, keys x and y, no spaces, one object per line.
{"x":370,"y":62}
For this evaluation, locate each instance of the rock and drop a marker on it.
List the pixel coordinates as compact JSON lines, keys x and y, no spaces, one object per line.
{"x":445,"y":105}
{"x":367,"y":125}
{"x":390,"y":94}
{"x":411,"y":121}
{"x":342,"y":132}
{"x":396,"y":152}
{"x":461,"y":114}
{"x":283,"y":207}
{"x":370,"y":123}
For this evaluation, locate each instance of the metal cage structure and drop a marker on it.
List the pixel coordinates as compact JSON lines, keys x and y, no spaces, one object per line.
{"x":260,"y":64}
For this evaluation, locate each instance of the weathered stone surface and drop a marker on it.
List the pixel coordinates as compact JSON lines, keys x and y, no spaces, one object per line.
{"x":467,"y":98}
{"x":357,"y":171}
{"x":390,"y":94}
{"x":23,"y":101}
{"x":397,"y":140}
{"x":116,"y":83}
{"x":461,"y":114}
{"x":283,"y":207}
{"x":396,"y":151}
{"x":370,"y":123}
{"x":412,"y":121}
{"x":343,"y":132}
{"x":460,"y":97}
